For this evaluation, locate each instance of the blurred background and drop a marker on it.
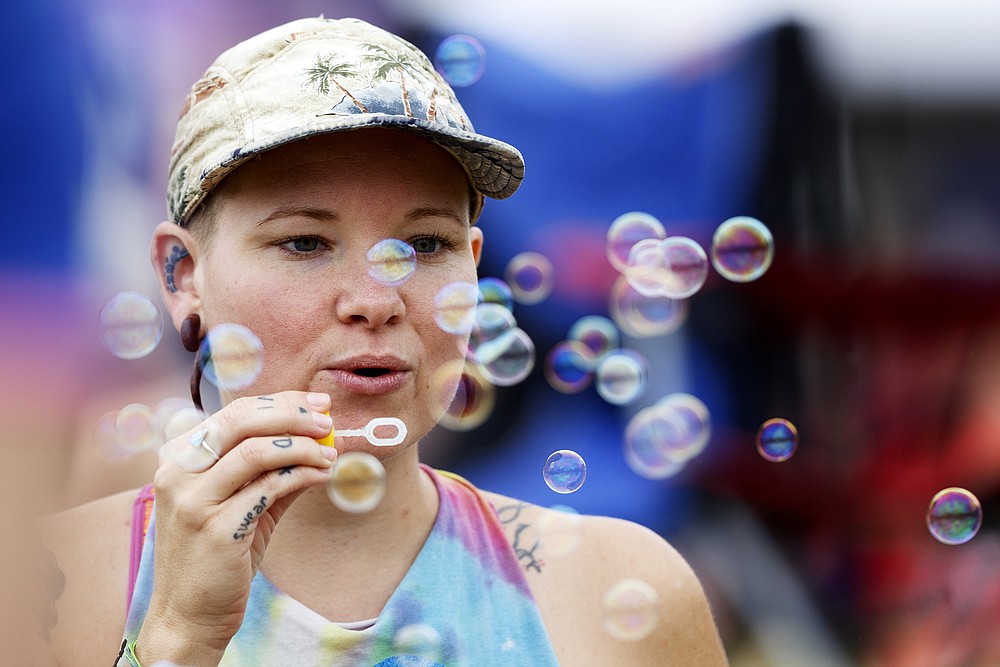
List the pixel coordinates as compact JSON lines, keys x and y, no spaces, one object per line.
{"x":865,"y":136}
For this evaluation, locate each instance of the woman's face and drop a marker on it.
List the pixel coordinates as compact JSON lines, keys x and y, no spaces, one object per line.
{"x":288,"y":260}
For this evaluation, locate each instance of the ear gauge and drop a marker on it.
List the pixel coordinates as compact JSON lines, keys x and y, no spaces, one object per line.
{"x":191,"y":340}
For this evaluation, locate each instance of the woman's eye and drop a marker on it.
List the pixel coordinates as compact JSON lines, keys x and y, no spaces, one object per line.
{"x":303,"y":244}
{"x":427,"y":245}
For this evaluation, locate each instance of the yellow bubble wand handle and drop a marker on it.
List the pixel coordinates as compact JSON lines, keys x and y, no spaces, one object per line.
{"x":328,"y":439}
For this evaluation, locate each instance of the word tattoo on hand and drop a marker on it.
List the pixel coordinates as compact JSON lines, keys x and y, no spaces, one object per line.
{"x":284,"y":443}
{"x":250,"y":518}
{"x":267,"y":400}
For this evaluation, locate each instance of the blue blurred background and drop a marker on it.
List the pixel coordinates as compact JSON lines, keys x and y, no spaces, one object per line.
{"x":866,"y":138}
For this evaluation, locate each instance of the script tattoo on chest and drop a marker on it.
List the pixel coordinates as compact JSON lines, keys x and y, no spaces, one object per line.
{"x":524,"y":547}
{"x":249,"y":519}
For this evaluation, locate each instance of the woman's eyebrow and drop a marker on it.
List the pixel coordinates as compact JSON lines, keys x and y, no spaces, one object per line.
{"x":323,"y":215}
{"x":435,"y":212}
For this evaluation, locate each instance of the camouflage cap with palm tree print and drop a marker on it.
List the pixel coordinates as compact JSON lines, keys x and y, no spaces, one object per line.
{"x":314,"y":76}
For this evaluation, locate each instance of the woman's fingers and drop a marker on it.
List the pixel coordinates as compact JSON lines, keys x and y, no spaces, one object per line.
{"x":260,"y":456}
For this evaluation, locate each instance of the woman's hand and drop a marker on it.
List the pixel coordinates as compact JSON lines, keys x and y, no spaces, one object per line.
{"x":214,"y":519}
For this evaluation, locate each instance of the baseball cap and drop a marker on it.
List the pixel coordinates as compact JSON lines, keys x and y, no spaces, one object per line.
{"x":314,"y":76}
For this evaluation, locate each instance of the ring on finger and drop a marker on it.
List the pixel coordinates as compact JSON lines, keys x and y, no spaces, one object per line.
{"x":198,"y":440}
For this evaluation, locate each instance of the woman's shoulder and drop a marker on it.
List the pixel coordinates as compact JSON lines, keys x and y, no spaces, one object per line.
{"x":88,"y":551}
{"x":581,"y":568}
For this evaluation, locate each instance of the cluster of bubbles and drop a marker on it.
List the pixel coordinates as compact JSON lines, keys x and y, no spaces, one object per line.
{"x":461,"y":60}
{"x":661,"y":438}
{"x":954,"y":516}
{"x":630,"y":610}
{"x":120,"y":436}
{"x":659,"y":271}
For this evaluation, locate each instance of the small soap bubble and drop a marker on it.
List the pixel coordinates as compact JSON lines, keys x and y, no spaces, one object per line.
{"x":461,"y":60}
{"x":233,"y":356}
{"x":954,"y":516}
{"x":643,"y":316}
{"x":621,"y":376}
{"x":687,"y":265}
{"x":136,"y":428}
{"x":564,"y":471}
{"x":627,"y":230}
{"x":629,"y":610}
{"x":391,"y":262}
{"x":559,"y":531}
{"x":418,"y":639}
{"x":596,"y":332}
{"x":653,"y":443}
{"x":494,"y":290}
{"x":777,"y":440}
{"x":742,"y":249}
{"x":508,"y":358}
{"x":465,"y":396}
{"x":569,"y":367}
{"x":455,"y":306}
{"x":647,"y":268}
{"x":130,"y":325}
{"x":183,"y":421}
{"x":490,"y":321}
{"x":105,"y":439}
{"x":693,"y":414}
{"x":530,"y":277}
{"x":357,"y":483}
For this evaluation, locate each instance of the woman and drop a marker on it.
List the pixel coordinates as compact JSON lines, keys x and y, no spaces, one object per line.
{"x":300,"y":150}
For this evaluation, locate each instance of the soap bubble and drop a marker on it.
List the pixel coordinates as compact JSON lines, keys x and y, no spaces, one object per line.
{"x":418,"y":639}
{"x":465,"y":398}
{"x":494,"y":290}
{"x":461,"y":60}
{"x":621,"y":376}
{"x":655,"y":443}
{"x":564,"y":471}
{"x":233,"y":356}
{"x":777,"y":440}
{"x":695,"y":420}
{"x":627,"y":230}
{"x":490,"y":321}
{"x":136,"y":428}
{"x":742,"y":249}
{"x":559,"y":531}
{"x":954,"y":516}
{"x":130,"y":325}
{"x":105,"y":439}
{"x":508,"y":358}
{"x":530,"y":277}
{"x":596,"y":332}
{"x":391,"y":262}
{"x":357,"y":483}
{"x":647,"y":269}
{"x":688,"y":266}
{"x":455,"y":307}
{"x":629,"y":610}
{"x":184,"y":420}
{"x":643,"y":316}
{"x":569,"y":366}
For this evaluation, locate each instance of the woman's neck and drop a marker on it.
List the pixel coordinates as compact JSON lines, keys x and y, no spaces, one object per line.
{"x":318,"y":549}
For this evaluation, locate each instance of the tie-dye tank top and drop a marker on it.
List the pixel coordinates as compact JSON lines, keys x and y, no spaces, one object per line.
{"x":464,"y":601}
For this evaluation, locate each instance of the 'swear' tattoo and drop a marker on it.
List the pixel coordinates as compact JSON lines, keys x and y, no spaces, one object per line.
{"x":509,"y":515}
{"x":249,"y":519}
{"x":177,"y":253}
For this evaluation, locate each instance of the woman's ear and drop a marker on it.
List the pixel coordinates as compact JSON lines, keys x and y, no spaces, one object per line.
{"x":476,"y":236}
{"x":174,"y":253}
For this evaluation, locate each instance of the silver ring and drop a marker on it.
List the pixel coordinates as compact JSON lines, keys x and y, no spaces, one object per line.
{"x":198,"y":440}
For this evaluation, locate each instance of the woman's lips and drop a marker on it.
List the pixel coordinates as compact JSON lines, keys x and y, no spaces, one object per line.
{"x":370,"y":385}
